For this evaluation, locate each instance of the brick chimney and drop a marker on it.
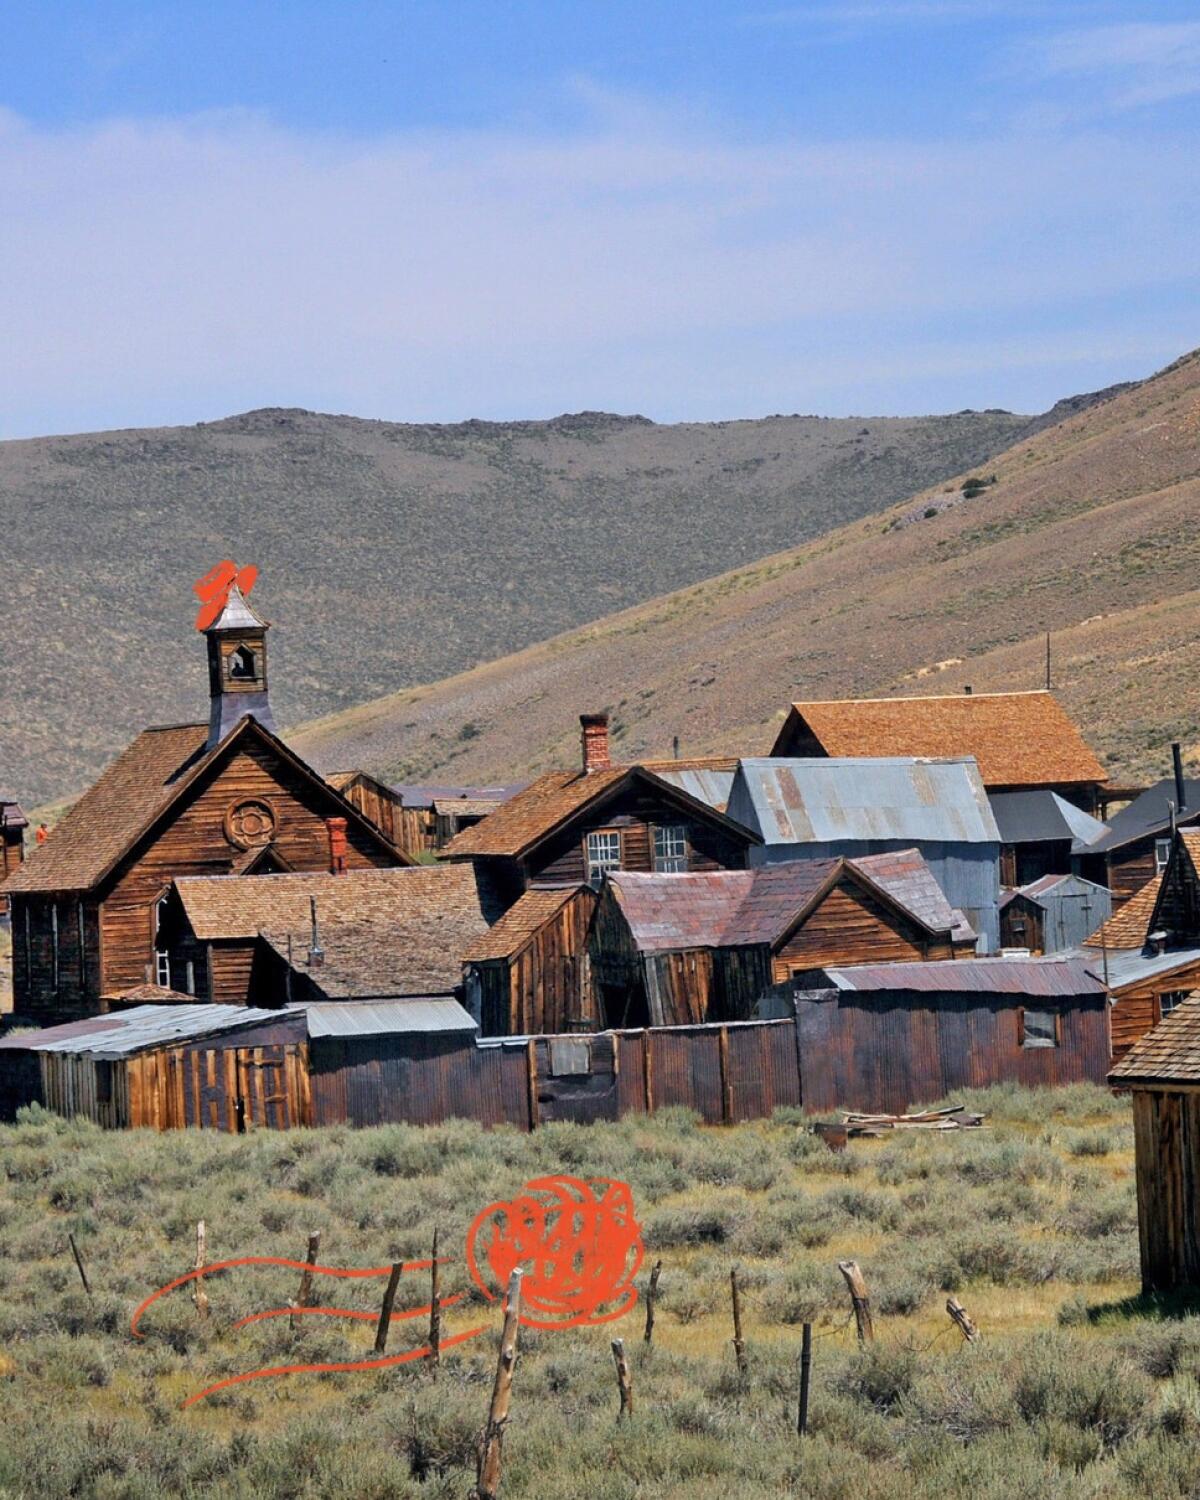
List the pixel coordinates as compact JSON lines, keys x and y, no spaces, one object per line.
{"x":337,"y":845}
{"x":594,"y":729}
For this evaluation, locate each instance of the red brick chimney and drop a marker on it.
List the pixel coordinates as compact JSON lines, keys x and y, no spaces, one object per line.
{"x":337,"y":845}
{"x":595,"y":742}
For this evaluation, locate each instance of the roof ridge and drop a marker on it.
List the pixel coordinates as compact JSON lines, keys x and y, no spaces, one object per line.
{"x":931,"y":697}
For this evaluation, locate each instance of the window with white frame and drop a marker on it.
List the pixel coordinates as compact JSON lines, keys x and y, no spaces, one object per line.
{"x":1162,"y":854}
{"x":1169,"y":999}
{"x":162,"y":958}
{"x":670,"y":849}
{"x":603,"y":854}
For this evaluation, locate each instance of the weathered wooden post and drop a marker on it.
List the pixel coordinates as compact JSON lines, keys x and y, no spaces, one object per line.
{"x":435,"y":1310}
{"x":200,"y":1296}
{"x":304,"y":1295}
{"x":79,"y":1262}
{"x":959,"y":1315}
{"x":805,"y":1378}
{"x":491,"y":1439}
{"x":651,"y":1297}
{"x":859,"y":1299}
{"x":385,"y":1312}
{"x":624,"y":1379}
{"x":739,"y":1347}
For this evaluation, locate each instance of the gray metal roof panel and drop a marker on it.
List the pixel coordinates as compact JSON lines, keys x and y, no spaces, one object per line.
{"x":1042,"y":815}
{"x":1149,"y":814}
{"x":1040,"y":977}
{"x":386,"y":1017}
{"x":1126,"y":967}
{"x":712,"y":787}
{"x":901,"y":798}
{"x":147,"y":1026}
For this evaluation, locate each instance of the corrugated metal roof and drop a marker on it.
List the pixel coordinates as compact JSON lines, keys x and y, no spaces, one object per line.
{"x":904,"y":799}
{"x":386,"y":1017}
{"x":1149,"y":813}
{"x":708,"y":786}
{"x":1042,"y":815}
{"x":425,"y":796}
{"x":130,"y":1031}
{"x":1041,"y":977}
{"x":1132,"y":968}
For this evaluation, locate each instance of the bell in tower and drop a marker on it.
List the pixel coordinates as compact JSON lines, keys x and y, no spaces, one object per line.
{"x":237,"y":668}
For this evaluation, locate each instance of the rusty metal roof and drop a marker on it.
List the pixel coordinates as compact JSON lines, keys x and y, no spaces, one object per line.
{"x":1037,"y":977}
{"x":863,"y":800}
{"x":123,"y":1033}
{"x":386,"y":1018}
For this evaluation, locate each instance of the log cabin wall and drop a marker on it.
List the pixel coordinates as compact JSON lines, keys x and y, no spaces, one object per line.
{"x":892,"y":1050}
{"x":194,"y":843}
{"x":1166,"y":1129}
{"x":561,"y":860}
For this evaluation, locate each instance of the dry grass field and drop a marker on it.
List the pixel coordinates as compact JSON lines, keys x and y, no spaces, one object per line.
{"x":1088,"y":532}
{"x":1074,"y":1390}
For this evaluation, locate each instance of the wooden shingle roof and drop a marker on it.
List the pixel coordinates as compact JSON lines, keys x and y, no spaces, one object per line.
{"x":375,"y":956}
{"x":1018,"y":739}
{"x":527,"y":916}
{"x":1129,"y":925}
{"x":1169,"y":1053}
{"x":522,"y":822}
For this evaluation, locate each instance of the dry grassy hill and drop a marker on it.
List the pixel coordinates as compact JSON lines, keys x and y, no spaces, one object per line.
{"x":391,"y":554}
{"x":1090,"y":531}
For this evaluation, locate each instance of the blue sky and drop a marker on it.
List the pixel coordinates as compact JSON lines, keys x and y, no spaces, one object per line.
{"x":435,"y":211}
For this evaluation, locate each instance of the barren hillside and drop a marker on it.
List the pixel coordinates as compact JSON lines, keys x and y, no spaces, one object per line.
{"x":390,"y":554}
{"x":1090,"y":532}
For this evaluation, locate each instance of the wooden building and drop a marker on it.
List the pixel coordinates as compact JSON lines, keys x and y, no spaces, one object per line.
{"x":571,"y":828}
{"x":1019,"y":740}
{"x":670,"y":950}
{"x":529,"y":972}
{"x":1042,"y":834}
{"x":890,"y":1036}
{"x":1137,"y":845}
{"x":228,"y":797}
{"x":1162,"y":1070}
{"x":13,"y":824}
{"x":1148,"y":952}
{"x":374,"y":932}
{"x":419,"y":819}
{"x":1053,"y":914}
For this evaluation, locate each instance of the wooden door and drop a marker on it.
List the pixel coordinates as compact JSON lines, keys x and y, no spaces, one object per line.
{"x":272,"y":1086}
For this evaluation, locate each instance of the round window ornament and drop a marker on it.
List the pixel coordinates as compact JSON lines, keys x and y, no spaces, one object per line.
{"x":250,"y":824}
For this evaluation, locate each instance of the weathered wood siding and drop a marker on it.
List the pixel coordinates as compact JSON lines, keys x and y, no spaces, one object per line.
{"x":850,"y":926}
{"x":1131,"y":868}
{"x":1166,"y":1127}
{"x":890,"y":1051}
{"x":12,"y":852}
{"x":1139,"y":1008}
{"x":1021,"y":922}
{"x":546,"y":986}
{"x":55,"y":954}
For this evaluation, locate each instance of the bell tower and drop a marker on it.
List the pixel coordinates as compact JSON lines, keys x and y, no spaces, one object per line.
{"x":237,"y":668}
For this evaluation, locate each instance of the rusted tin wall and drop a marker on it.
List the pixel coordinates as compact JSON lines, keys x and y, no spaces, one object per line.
{"x":887,"y":1052}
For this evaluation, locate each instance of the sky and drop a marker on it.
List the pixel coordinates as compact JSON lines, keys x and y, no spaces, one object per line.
{"x":694,"y":211}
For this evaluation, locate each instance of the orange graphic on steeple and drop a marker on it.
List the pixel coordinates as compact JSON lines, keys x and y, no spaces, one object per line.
{"x":213,"y":589}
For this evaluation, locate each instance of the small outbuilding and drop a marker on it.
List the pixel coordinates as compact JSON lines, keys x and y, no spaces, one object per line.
{"x":1053,"y":914}
{"x":530,"y":972}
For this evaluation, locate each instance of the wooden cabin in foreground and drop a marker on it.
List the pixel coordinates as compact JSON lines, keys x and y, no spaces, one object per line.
{"x":224,"y":798}
{"x":682,"y":949}
{"x":1162,"y":1070}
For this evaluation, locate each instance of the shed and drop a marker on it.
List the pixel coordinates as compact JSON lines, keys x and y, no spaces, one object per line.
{"x":1042,"y":833}
{"x":822,"y":808}
{"x":1162,"y":1070}
{"x":530,"y":972}
{"x":887,"y":1036}
{"x":686,"y":949}
{"x":1053,"y":914}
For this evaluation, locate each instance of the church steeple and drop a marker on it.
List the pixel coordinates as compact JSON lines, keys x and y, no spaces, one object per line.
{"x":237,"y":668}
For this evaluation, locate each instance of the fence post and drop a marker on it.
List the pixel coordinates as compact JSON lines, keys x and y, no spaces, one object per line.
{"x":739,"y":1347}
{"x":624,"y":1379}
{"x":859,"y":1299}
{"x":805,"y":1378}
{"x":79,"y":1262}
{"x":651,"y":1298}
{"x":435,"y":1310}
{"x":310,"y":1259}
{"x":385,"y":1312}
{"x":491,"y":1442}
{"x":199,"y":1295}
{"x":959,"y":1314}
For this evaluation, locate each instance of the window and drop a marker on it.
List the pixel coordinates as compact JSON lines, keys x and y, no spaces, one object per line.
{"x":162,"y":969}
{"x":670,"y":849}
{"x":1162,"y":853}
{"x":242,"y":665}
{"x":603,"y":854}
{"x":1039,"y":1028}
{"x":1169,"y":999}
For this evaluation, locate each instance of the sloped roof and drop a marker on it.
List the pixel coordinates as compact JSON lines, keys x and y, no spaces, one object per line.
{"x":411,"y":795}
{"x":1129,"y":925}
{"x":1130,"y":968}
{"x":128,"y":1031}
{"x":505,"y":938}
{"x":1043,"y":978}
{"x":708,"y":778}
{"x":735,"y":908}
{"x":470,"y":807}
{"x":522,"y":822}
{"x":408,"y":952}
{"x":902,"y":799}
{"x":1168,"y":1053}
{"x":437,"y":906}
{"x":131,"y":794}
{"x":12,"y":815}
{"x":1038,"y":815}
{"x":1148,"y":814}
{"x":1018,"y":739}
{"x":237,"y":614}
{"x":386,"y":1018}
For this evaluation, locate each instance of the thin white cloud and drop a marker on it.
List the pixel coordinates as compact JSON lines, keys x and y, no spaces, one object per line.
{"x":1137,"y":63}
{"x":177,"y":269}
